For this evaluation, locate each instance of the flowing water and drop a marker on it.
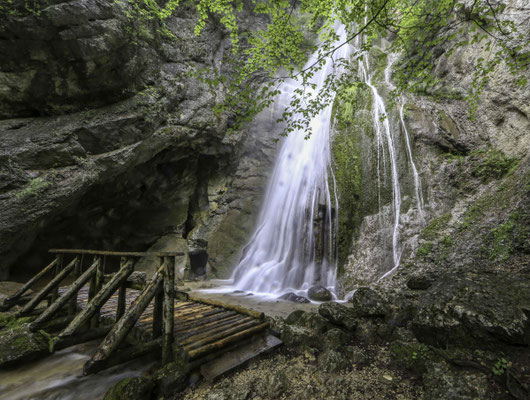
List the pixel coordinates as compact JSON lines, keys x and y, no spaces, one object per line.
{"x":59,"y":377}
{"x":293,"y":245}
{"x":387,"y":147}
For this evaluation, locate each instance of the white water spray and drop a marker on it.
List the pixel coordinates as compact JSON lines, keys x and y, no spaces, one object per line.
{"x":384,"y":136}
{"x":293,"y":246}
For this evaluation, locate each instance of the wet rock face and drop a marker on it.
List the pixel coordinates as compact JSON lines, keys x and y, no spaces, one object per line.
{"x":136,"y":156}
{"x":475,"y":310}
{"x":70,"y":55}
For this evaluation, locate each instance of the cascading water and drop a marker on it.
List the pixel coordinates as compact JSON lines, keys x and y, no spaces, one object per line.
{"x":386,"y":145}
{"x":292,"y":247}
{"x":384,"y":134}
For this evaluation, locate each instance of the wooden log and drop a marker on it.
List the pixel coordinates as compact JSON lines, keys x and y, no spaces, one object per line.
{"x":122,"y":295}
{"x":226,"y":341}
{"x":125,"y":324}
{"x":56,"y":324}
{"x":198,"y":315}
{"x":98,"y":301}
{"x":122,"y":356}
{"x":90,"y":334}
{"x":56,"y":270}
{"x":48,"y":288}
{"x":122,"y":301}
{"x":212,"y":325}
{"x":239,"y":309}
{"x":70,"y":293}
{"x":214,"y":329}
{"x":98,"y":284}
{"x":157,"y":310}
{"x":30,"y":283}
{"x":72,"y":306}
{"x":117,"y":253}
{"x":213,"y":337}
{"x":169,"y":310}
{"x":207,"y":320}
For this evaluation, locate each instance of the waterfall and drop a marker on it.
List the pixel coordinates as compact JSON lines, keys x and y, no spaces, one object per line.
{"x":293,"y":245}
{"x":386,"y":145}
{"x":384,"y":135}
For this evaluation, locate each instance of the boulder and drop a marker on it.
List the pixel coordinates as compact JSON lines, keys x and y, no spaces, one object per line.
{"x":131,"y":389}
{"x":303,"y":329}
{"x":335,"y":339}
{"x":356,"y":354}
{"x":173,"y":377}
{"x":339,"y":314}
{"x":18,"y":344}
{"x":293,"y":335}
{"x":319,"y":293}
{"x":309,"y":320}
{"x":332,"y":361}
{"x":367,"y":302}
{"x":442,"y":381}
{"x":475,"y":310}
{"x":294,"y":298}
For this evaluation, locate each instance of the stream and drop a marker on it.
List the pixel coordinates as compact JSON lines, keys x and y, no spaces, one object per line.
{"x":59,"y":377}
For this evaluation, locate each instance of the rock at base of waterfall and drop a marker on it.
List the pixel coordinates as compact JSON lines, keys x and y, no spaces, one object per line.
{"x":319,"y":293}
{"x":367,"y":302}
{"x":339,"y":314}
{"x":293,"y":297}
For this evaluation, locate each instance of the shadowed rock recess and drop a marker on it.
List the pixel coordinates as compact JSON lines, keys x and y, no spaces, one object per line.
{"x":109,"y":141}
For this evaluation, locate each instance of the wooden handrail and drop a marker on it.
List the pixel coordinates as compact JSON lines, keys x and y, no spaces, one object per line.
{"x":118,"y":253}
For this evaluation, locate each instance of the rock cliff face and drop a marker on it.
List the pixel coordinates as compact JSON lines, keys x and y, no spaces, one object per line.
{"x":464,"y":273}
{"x":108,"y":142}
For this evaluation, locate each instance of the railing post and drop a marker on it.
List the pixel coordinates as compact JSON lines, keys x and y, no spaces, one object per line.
{"x":157,"y":309}
{"x":98,"y":284}
{"x":122,"y":293}
{"x":72,"y":305}
{"x":58,"y":267}
{"x":169,"y":310}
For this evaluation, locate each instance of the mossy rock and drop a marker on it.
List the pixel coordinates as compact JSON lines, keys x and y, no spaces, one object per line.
{"x":18,"y":344}
{"x":411,"y":355}
{"x":173,"y":377}
{"x":131,"y":389}
{"x":335,"y":339}
{"x":339,"y":314}
{"x":333,"y":361}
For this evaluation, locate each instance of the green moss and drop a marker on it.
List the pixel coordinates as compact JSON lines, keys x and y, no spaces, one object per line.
{"x":493,"y":164}
{"x":33,"y":187}
{"x":507,"y":236}
{"x":379,"y":62}
{"x":433,"y":229}
{"x":9,"y":321}
{"x":425,"y":249}
{"x":350,"y":125}
{"x":412,"y":356}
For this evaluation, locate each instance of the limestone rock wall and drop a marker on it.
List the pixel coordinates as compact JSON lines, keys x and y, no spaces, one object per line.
{"x":474,"y":174}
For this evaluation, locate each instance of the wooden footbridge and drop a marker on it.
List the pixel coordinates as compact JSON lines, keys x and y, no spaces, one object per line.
{"x":132,"y":317}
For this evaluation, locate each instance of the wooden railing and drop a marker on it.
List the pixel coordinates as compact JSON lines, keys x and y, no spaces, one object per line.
{"x":85,"y":325}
